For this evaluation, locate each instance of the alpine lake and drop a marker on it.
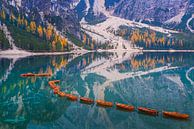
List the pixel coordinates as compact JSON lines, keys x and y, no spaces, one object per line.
{"x":161,"y":81}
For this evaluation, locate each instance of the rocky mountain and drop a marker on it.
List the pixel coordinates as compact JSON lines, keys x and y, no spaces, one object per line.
{"x":167,"y":13}
{"x":152,"y":10}
{"x":66,"y":14}
{"x":161,"y":12}
{"x":60,"y":13}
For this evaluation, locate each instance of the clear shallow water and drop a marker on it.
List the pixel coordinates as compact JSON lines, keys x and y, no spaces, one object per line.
{"x":157,"y":80}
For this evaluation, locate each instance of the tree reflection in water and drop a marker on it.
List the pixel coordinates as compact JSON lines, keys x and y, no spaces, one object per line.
{"x":149,"y":79}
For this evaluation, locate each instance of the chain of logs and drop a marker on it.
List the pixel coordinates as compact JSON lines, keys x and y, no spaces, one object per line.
{"x":102,"y":103}
{"x":119,"y":106}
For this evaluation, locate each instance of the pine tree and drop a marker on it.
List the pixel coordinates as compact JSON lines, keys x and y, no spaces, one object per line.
{"x":135,"y":37}
{"x":56,"y":37}
{"x":145,"y":35}
{"x":19,"y":20}
{"x":63,"y":42}
{"x":25,"y":23}
{"x":28,"y":28}
{"x":173,"y":42}
{"x":40,"y":31}
{"x":84,"y":38}
{"x":53,"y":45}
{"x":22,"y":21}
{"x":168,"y":43}
{"x":33,"y":26}
{"x":153,"y":37}
{"x":49,"y":32}
{"x":3,"y":16}
{"x":92,"y":46}
{"x":162,"y":40}
{"x":12,"y":17}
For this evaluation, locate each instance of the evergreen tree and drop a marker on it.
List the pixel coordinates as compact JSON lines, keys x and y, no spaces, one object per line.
{"x":40,"y":31}
{"x":33,"y":26}
{"x":19,"y":21}
{"x":49,"y":32}
{"x":3,"y":16}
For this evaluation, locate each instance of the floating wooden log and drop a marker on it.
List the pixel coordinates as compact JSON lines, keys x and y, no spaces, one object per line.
{"x":71,"y":97}
{"x":55,"y":81}
{"x":56,"y":90}
{"x":27,"y":75}
{"x":148,"y":111}
{"x":86,"y":100}
{"x":35,"y":75}
{"x":104,"y":103}
{"x":175,"y":115}
{"x":52,"y":85}
{"x":125,"y":107}
{"x":153,"y":112}
{"x":61,"y":94}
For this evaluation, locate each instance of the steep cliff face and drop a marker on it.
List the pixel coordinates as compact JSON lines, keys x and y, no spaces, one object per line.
{"x":66,"y":14}
{"x":169,"y":13}
{"x":160,"y":11}
{"x":91,"y":10}
{"x":184,"y":20}
{"x":58,"y":12}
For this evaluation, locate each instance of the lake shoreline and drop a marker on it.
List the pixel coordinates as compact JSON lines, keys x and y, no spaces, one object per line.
{"x":22,"y":53}
{"x":169,"y":51}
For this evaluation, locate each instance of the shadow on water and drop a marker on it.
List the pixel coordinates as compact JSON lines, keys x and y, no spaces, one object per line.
{"x":156,"y":80}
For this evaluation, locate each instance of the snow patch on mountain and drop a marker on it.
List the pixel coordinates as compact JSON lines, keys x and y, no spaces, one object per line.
{"x":74,"y":4}
{"x":87,"y":5}
{"x":16,"y":3}
{"x":104,"y":32}
{"x":87,"y":2}
{"x":99,"y":7}
{"x":177,"y":19}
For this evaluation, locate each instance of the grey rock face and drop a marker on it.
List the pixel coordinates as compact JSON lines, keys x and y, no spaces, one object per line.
{"x":58,"y":12}
{"x":149,"y":11}
{"x":66,"y":14}
{"x":156,"y":10}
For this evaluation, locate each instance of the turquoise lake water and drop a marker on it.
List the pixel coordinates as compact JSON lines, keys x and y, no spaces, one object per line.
{"x":163,"y":81}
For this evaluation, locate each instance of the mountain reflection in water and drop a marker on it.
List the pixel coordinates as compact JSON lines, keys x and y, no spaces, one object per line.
{"x":163,"y":81}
